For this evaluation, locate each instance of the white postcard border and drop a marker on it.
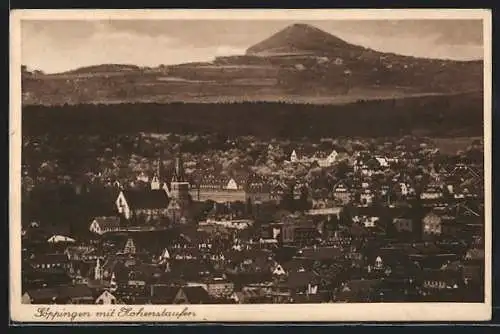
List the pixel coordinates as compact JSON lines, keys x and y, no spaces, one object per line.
{"x":237,"y":313}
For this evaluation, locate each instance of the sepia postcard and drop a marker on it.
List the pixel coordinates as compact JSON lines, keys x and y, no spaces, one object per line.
{"x":250,"y":165}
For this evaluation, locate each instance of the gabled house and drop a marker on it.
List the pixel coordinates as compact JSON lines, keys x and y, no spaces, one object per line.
{"x":294,"y":157}
{"x":464,"y":172}
{"x":432,"y":223}
{"x":102,"y":225}
{"x":342,"y":193}
{"x":232,"y":185}
{"x":326,"y":161}
{"x":129,"y":247}
{"x":162,"y":293}
{"x":432,"y":193}
{"x":192,"y":295}
{"x":366,"y":197}
{"x":79,"y":294}
{"x":106,"y":298}
{"x":40,"y":296}
{"x":366,"y":221}
{"x":218,"y":287}
{"x":403,"y":224}
{"x":278,"y":270}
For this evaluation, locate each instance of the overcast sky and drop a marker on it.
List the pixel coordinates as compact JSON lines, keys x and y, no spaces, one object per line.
{"x":56,"y":46}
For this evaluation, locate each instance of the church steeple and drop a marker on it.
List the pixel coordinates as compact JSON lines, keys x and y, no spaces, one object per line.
{"x":178,"y":175}
{"x":113,"y":286}
{"x":156,"y":181}
{"x":98,"y":270}
{"x":160,"y":167}
{"x":179,"y":192}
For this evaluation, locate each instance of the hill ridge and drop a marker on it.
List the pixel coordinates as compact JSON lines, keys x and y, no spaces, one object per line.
{"x":298,"y":63}
{"x":302,"y":37}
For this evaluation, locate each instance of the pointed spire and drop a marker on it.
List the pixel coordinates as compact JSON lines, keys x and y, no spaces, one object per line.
{"x":113,"y":286}
{"x":158,"y":167}
{"x":179,"y":169}
{"x":98,"y":270}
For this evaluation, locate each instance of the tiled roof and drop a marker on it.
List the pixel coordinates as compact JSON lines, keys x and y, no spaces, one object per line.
{"x":64,"y":292}
{"x":165,"y":293}
{"x":196,"y":294}
{"x":49,"y":259}
{"x":77,"y":291}
{"x":146,"y":199}
{"x":300,"y":279}
{"x":296,"y":264}
{"x":320,"y":253}
{"x":108,"y":222}
{"x":43,"y":296}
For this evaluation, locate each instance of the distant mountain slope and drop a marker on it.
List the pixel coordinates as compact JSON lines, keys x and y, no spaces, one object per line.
{"x":301,"y":38}
{"x":299,"y":64}
{"x":104,"y":68}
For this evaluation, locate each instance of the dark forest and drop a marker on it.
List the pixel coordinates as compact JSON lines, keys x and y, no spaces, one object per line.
{"x":439,"y":116}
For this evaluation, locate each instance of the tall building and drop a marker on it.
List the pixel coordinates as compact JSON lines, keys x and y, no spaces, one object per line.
{"x":158,"y":182}
{"x":180,"y":198}
{"x":98,"y":270}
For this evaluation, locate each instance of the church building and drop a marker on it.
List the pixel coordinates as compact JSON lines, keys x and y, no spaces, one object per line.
{"x":159,"y":200}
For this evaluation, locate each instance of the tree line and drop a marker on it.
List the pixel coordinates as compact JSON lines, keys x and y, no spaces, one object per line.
{"x":444,"y":115}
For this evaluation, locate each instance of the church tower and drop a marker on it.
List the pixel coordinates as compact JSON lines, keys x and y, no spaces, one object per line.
{"x":179,"y":187}
{"x":179,"y":192}
{"x":157,"y":176}
{"x":98,"y":271}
